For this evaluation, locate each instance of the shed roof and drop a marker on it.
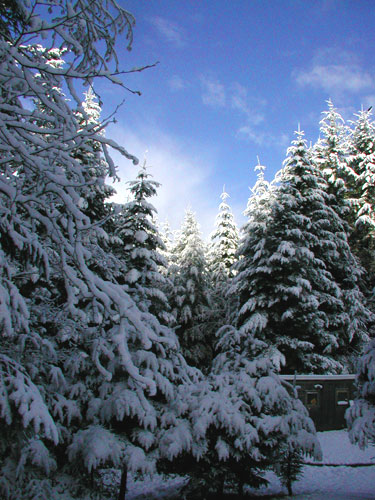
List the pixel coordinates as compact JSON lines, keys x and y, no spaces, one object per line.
{"x":348,"y":376}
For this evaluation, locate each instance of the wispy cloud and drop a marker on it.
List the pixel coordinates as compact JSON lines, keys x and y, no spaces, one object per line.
{"x":262,"y":138}
{"x":169,"y":30}
{"x":214,"y":93}
{"x":336,"y":77}
{"x":182,"y":172}
{"x":241,"y":101}
{"x":176,"y":83}
{"x":235,"y":97}
{"x":336,"y":72}
{"x":250,"y":134}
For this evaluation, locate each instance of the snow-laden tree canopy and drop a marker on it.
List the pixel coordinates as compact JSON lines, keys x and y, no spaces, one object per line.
{"x":298,"y":282}
{"x":69,"y":326}
{"x":224,"y":242}
{"x":361,"y":416}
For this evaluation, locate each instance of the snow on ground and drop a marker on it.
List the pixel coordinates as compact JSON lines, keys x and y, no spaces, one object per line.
{"x":317,"y":483}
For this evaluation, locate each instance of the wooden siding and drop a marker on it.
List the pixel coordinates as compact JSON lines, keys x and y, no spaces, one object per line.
{"x":326,"y":397}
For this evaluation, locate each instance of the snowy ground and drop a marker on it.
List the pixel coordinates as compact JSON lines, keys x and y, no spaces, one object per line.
{"x":318,"y":482}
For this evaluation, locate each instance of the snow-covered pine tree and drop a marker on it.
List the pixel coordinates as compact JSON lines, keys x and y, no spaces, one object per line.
{"x":142,"y":249}
{"x":330,"y":151}
{"x":361,"y":416}
{"x":191,"y":298}
{"x":297,"y":280}
{"x":98,"y":191}
{"x":244,"y":418}
{"x":330,"y":155}
{"x":167,"y":236}
{"x":67,"y":329}
{"x":360,"y":173}
{"x":221,"y":257}
{"x":258,"y":204}
{"x":224,"y":242}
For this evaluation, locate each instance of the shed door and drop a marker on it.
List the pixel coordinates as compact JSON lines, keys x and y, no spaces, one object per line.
{"x":341,"y":405}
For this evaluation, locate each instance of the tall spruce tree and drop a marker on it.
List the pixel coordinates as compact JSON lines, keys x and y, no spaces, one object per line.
{"x":224,"y":242}
{"x":191,"y":297}
{"x":221,"y":257}
{"x":361,"y":190}
{"x":297,"y":279}
{"x":330,"y":155}
{"x":142,"y":247}
{"x":259,"y":202}
{"x":331,"y":150}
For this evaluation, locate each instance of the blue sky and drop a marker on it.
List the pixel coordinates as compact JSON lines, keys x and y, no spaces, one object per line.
{"x":234,"y":79}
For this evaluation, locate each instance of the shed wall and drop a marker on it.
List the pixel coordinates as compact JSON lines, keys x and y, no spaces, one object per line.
{"x":327,"y":398}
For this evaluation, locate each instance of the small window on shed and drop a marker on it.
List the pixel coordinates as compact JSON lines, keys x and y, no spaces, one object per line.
{"x":312,"y":399}
{"x":342,"y":397}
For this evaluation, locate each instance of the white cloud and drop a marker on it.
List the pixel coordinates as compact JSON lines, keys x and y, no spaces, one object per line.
{"x":213,"y":92}
{"x":169,"y":30}
{"x":176,"y":83}
{"x":235,"y":97}
{"x":335,"y":71}
{"x":183,"y":175}
{"x":336,"y":77}
{"x":261,"y":138}
{"x":239,"y":98}
{"x":241,"y":101}
{"x":250,"y":134}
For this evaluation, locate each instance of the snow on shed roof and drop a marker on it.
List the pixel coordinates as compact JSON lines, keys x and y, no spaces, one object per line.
{"x":348,"y":376}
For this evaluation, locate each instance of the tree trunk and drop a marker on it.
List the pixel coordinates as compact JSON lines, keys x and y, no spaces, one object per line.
{"x":221,"y":487}
{"x":240,"y":487}
{"x":290,"y":490}
{"x":124,"y":478}
{"x":289,"y":478}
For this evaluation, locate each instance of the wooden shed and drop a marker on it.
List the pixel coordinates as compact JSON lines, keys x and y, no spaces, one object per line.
{"x":326,"y":397}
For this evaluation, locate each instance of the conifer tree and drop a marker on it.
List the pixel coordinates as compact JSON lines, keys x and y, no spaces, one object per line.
{"x":330,"y":155}
{"x":191,"y":298}
{"x":142,"y":247}
{"x":297,"y":279}
{"x":87,"y":378}
{"x":361,"y":190}
{"x":258,"y":204}
{"x":361,"y":416}
{"x":221,"y":257}
{"x":245,"y":420}
{"x":331,"y":150}
{"x":224,"y":242}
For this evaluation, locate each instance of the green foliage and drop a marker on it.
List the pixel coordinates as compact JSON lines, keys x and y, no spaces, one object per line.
{"x":297,"y":282}
{"x":290,"y":469}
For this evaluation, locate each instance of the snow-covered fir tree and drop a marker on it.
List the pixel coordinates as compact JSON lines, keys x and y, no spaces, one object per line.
{"x":221,"y":257}
{"x":191,"y":297}
{"x":88,"y":379}
{"x":331,"y":150}
{"x":259,"y":202}
{"x":245,"y":420}
{"x":361,"y":190}
{"x":360,"y":416}
{"x":98,"y":191}
{"x":297,"y":281}
{"x":142,"y":248}
{"x":167,"y":236}
{"x":330,"y":155}
{"x":224,"y":242}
